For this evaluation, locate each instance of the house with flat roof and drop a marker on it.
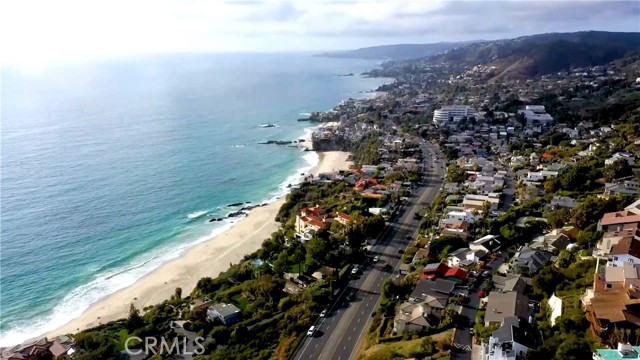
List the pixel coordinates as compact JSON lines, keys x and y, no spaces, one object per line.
{"x":616,"y":220}
{"x":225,"y":313}
{"x":621,"y":352}
{"x":501,"y":305}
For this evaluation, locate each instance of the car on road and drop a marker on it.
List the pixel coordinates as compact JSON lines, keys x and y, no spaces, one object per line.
{"x":376,"y":258}
{"x":311,"y":330}
{"x":386,"y":267}
{"x":351,"y":295}
{"x":324,"y":313}
{"x":408,"y":238}
{"x":400,"y":251}
{"x":355,"y":270}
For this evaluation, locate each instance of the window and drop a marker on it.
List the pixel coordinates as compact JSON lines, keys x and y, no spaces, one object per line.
{"x":631,"y":260}
{"x":615,"y":258}
{"x":609,"y":286}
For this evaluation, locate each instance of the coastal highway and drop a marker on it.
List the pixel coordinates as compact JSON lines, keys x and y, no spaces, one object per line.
{"x":338,"y":335}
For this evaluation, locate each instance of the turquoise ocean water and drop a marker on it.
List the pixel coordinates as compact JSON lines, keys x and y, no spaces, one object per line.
{"x":111,"y":168}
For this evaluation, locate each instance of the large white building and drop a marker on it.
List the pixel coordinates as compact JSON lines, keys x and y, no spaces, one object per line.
{"x":537,"y":114}
{"x":450,"y":113}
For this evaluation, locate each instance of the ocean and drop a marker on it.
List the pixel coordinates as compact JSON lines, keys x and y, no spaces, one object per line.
{"x":111,"y":168}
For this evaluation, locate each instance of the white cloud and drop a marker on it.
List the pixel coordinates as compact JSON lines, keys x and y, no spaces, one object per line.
{"x":45,"y":29}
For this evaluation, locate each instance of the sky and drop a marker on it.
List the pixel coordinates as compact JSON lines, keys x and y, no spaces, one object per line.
{"x":47,"y":30}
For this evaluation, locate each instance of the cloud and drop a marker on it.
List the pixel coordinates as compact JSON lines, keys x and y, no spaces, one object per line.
{"x":93,"y":28}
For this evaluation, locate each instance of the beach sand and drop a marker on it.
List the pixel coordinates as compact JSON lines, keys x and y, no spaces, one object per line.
{"x":205,"y":259}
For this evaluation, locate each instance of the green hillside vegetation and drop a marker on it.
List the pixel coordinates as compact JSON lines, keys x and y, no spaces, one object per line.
{"x":531,"y":56}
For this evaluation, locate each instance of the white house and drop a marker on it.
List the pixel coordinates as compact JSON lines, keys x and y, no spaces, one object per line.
{"x":511,"y":341}
{"x":538,"y":176}
{"x":555,"y":304}
{"x":627,"y":250}
{"x":536,"y":114}
{"x":465,"y":215}
{"x":628,"y":157}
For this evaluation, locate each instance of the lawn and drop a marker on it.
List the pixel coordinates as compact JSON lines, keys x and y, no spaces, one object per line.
{"x":408,"y":347}
{"x":240,"y":301}
{"x":294,"y":268}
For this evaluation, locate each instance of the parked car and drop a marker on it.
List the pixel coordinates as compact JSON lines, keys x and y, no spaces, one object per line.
{"x":324,"y":313}
{"x":355,"y":270}
{"x":376,"y":258}
{"x":400,"y":251}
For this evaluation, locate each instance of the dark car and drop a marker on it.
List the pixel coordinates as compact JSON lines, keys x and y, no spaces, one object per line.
{"x":400,"y":251}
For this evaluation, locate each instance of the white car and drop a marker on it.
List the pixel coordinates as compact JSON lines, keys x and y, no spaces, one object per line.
{"x":375,"y":259}
{"x":355,"y":270}
{"x":311,"y":330}
{"x":324,"y":313}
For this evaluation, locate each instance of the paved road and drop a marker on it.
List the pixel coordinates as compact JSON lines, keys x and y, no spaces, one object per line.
{"x":338,"y":335}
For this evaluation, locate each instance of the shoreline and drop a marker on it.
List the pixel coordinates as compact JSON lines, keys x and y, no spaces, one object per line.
{"x":208,"y":258}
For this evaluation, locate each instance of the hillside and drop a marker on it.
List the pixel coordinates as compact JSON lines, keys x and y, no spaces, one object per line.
{"x":536,"y":55}
{"x":396,"y":52}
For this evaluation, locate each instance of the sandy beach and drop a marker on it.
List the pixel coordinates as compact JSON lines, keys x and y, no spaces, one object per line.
{"x":205,"y":259}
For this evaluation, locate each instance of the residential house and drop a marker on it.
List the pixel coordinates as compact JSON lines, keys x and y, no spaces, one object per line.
{"x":476,"y":202}
{"x":420,"y":255}
{"x":413,"y":317}
{"x":510,"y":341}
{"x":424,"y":307}
{"x":443,"y":271}
{"x":311,"y":220}
{"x":465,"y":257}
{"x":225,"y":313}
{"x":501,"y":305}
{"x":555,"y":305}
{"x":540,"y":176}
{"x":621,"y":352}
{"x":628,"y":157}
{"x":616,"y":221}
{"x":551,"y":242}
{"x":626,"y":187}
{"x":458,"y":228}
{"x":488,"y":243}
{"x":464,"y":215}
{"x":452,"y":188}
{"x":562,"y":202}
{"x":528,"y":261}
{"x":615,"y":300}
{"x":634,"y":208}
{"x":510,"y":282}
{"x":627,"y":250}
{"x":611,"y":238}
{"x":342,"y":218}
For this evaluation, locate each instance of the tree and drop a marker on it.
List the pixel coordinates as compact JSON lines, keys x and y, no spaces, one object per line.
{"x":178,"y":293}
{"x":618,"y":169}
{"x":134,"y":321}
{"x":428,"y":345}
{"x":299,"y":256}
{"x":557,"y":218}
{"x":573,"y":348}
